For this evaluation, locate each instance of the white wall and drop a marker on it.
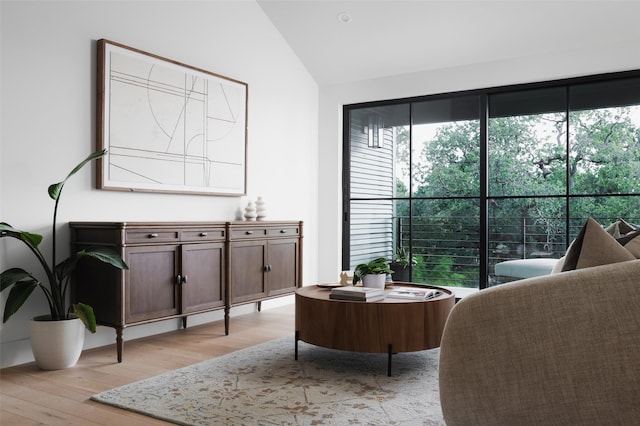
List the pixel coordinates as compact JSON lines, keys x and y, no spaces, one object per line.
{"x":48,"y":68}
{"x":581,"y":60}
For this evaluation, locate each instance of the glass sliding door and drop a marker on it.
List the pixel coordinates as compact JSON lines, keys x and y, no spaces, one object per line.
{"x":377,"y":143}
{"x":604,"y":152}
{"x":445,"y":191}
{"x":527,"y":145}
{"x":418,"y":188}
{"x":464,"y":181}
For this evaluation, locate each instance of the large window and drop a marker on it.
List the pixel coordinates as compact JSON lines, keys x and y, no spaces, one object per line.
{"x":466,"y":180}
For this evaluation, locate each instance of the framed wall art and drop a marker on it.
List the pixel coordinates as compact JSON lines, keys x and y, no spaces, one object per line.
{"x":167,"y":126}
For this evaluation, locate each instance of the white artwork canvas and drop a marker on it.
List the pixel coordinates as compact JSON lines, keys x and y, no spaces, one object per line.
{"x":169,"y":127}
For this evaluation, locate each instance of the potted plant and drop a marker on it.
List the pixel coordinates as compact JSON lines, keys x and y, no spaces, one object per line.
{"x":401,"y":263}
{"x":63,"y":316}
{"x":372,"y":274}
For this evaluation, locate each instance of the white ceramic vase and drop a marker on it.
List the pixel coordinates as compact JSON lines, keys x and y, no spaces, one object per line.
{"x":250,"y":211}
{"x":261,"y":209}
{"x":374,"y":280}
{"x":56,"y":344}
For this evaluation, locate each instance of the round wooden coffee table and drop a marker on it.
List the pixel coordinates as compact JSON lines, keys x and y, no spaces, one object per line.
{"x":389,"y":325}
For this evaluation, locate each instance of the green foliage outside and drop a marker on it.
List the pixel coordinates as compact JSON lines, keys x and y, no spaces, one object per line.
{"x":529,"y":173}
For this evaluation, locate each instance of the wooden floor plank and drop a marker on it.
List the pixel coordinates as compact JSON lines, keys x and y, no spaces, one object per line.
{"x":29,"y":396}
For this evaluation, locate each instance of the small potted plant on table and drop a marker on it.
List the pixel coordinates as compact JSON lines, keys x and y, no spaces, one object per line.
{"x":400,"y":265}
{"x":372,"y":274}
{"x":57,"y":338}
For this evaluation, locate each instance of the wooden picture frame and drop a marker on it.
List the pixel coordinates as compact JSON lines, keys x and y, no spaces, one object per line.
{"x":167,"y":126}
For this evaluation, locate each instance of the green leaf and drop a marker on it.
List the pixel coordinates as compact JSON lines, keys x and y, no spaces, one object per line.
{"x":33,"y":239}
{"x":19,"y":293}
{"x":64,"y":268}
{"x":86,"y":315}
{"x":7,"y":230}
{"x":56,"y":188}
{"x":12,"y":276}
{"x":105,"y":255}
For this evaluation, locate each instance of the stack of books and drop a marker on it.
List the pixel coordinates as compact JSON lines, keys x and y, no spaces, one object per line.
{"x":363,"y":294}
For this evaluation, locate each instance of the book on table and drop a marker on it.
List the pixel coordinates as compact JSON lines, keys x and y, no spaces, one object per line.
{"x":357,"y":293}
{"x":356,"y":299}
{"x":412,"y":293}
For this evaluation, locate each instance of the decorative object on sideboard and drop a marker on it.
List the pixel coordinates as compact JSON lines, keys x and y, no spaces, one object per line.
{"x":54,"y":352}
{"x":250,"y":211}
{"x":261,"y":209}
{"x":239,"y":213}
{"x":373,"y":273}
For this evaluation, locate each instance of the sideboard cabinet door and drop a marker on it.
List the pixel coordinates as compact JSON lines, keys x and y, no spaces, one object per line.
{"x":283,"y":261}
{"x":247,"y":260}
{"x":202,"y":278}
{"x":151,"y":288}
{"x":265,"y":260}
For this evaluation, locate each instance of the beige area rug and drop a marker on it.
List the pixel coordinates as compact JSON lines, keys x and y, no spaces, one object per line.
{"x":264,"y":385}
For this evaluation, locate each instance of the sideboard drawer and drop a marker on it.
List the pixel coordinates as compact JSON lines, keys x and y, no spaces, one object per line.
{"x":206,"y":234}
{"x":247,"y":233}
{"x":151,"y":236}
{"x":285,"y":231}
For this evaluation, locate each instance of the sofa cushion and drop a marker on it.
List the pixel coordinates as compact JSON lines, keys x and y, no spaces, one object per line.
{"x":558,"y":266}
{"x":619,"y":228}
{"x":594,"y":246}
{"x":631,"y":242}
{"x":525,"y":268}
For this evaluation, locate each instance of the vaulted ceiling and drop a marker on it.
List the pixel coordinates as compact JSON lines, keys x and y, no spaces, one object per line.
{"x":341,"y":41}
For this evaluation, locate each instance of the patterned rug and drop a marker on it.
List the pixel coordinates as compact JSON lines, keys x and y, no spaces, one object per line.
{"x":264,"y":385}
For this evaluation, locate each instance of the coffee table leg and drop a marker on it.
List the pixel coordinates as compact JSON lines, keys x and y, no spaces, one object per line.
{"x":389,"y":362}
{"x":296,"y":350}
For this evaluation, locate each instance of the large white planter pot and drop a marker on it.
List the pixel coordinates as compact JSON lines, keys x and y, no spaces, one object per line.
{"x":374,"y":280}
{"x":56,"y":344}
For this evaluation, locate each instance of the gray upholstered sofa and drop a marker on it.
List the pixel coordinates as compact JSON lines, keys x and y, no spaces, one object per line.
{"x":562,"y":349}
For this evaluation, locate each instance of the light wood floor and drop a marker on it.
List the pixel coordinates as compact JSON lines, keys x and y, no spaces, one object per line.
{"x":29,"y":396}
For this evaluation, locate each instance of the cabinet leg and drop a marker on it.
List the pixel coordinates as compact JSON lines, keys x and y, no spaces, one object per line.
{"x":119,"y":343}
{"x":296,"y":346}
{"x":389,"y":362}
{"x":184,"y":322}
{"x":226,"y":320}
{"x":259,"y":305}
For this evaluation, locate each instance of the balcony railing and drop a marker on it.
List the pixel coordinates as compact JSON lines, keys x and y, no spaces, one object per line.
{"x":447,"y":249}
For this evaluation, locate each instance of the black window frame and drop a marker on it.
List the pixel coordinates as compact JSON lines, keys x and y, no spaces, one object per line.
{"x":483,"y":95}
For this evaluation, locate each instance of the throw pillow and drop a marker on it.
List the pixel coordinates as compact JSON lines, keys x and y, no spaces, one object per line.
{"x":558,"y":266}
{"x":619,"y":228}
{"x":594,"y":246}
{"x":631,"y":242}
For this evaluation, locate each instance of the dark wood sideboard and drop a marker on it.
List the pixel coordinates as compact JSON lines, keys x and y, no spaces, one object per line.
{"x":177,"y":269}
